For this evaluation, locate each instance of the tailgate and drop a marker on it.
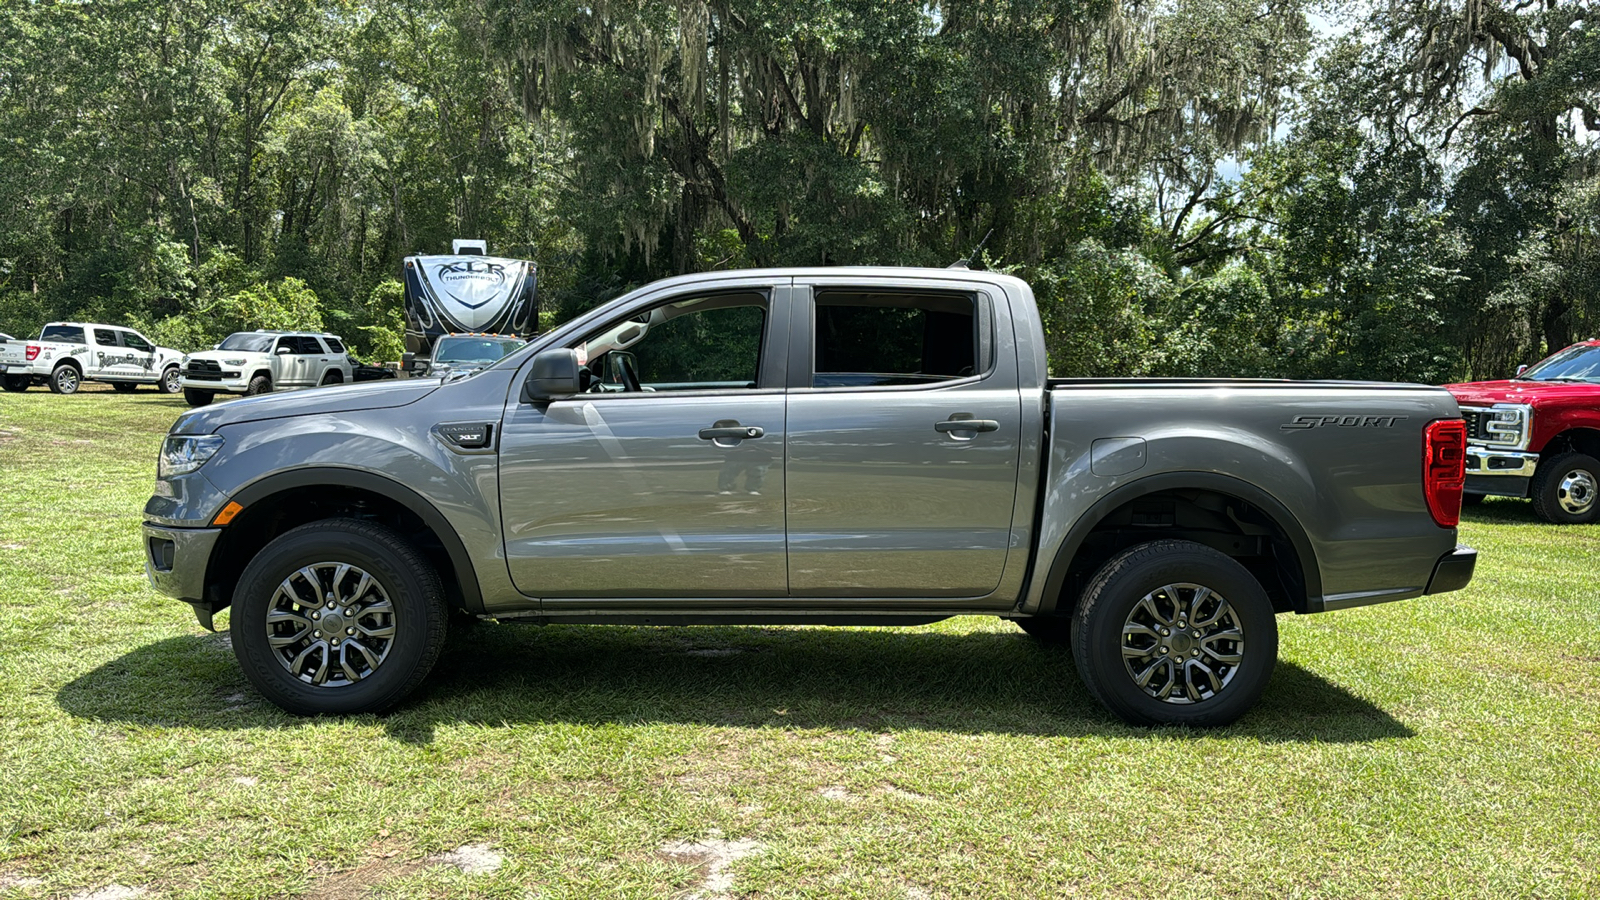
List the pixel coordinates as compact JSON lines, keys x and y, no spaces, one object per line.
{"x":14,"y":353}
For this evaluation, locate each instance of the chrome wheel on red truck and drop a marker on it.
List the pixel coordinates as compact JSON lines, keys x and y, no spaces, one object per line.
{"x":1565,"y":489}
{"x":1175,"y":633}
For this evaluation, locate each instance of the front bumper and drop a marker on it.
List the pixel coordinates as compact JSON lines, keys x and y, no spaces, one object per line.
{"x":175,"y":559}
{"x":1502,"y":473}
{"x":218,"y":385}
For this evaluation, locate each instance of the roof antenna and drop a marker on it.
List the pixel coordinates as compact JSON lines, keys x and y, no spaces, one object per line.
{"x":967,"y":263}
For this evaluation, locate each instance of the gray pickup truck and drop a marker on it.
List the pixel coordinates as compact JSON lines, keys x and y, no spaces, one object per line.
{"x":828,"y":446}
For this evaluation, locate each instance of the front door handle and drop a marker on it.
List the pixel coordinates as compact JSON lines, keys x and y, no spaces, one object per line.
{"x":955,"y":423}
{"x":724,"y":431}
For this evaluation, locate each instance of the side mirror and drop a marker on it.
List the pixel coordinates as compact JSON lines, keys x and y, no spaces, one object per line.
{"x":408,"y":361}
{"x":1521,"y":369}
{"x":282,"y":351}
{"x":554,"y":374}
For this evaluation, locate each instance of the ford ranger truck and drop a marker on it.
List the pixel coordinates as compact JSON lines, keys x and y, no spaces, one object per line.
{"x":1537,"y":436}
{"x":67,"y":354}
{"x":850,"y":446}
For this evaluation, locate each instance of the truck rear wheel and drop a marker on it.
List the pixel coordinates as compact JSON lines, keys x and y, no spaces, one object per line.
{"x":197,"y":397}
{"x":338,"y":617}
{"x":1565,"y":487}
{"x":1175,"y":633}
{"x":65,"y":379}
{"x":16,"y":383}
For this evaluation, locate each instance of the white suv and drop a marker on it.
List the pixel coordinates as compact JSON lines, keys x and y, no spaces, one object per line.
{"x":256,"y":362}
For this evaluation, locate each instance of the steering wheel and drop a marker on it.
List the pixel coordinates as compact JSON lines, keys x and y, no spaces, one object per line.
{"x":630,"y":378}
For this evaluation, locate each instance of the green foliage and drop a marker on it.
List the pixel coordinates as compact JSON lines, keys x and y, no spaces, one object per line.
{"x":1419,"y":204}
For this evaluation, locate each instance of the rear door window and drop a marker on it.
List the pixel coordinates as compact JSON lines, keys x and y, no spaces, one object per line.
{"x":105,"y":337}
{"x":894,"y":339}
{"x":334,"y":344}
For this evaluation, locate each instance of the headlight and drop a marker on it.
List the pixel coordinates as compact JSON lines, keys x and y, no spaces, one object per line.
{"x":185,"y":359}
{"x":1507,"y":425}
{"x":234,"y":362}
{"x":182,"y":454}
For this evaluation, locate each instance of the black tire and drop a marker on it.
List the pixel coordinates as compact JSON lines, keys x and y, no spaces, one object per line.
{"x":260,"y":384}
{"x":1566,"y":489}
{"x":197,"y":397}
{"x":171,"y":381}
{"x":16,"y":384}
{"x":1047,"y":629}
{"x":124,"y":387}
{"x":1113,"y":602}
{"x":66,"y":379}
{"x":334,"y":377}
{"x":399,"y":573}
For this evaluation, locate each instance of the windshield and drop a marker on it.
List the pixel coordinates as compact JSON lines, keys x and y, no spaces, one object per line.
{"x":473,"y":350}
{"x":248,"y":341}
{"x":1579,"y":363}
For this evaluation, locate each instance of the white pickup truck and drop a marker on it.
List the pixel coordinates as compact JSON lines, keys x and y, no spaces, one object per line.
{"x":67,"y":354}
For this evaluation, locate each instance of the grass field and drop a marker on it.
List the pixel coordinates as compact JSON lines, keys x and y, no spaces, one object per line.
{"x":1442,"y":747}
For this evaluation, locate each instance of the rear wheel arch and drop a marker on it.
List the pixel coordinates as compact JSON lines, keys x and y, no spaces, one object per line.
{"x":1289,"y":572}
{"x":278,"y":503}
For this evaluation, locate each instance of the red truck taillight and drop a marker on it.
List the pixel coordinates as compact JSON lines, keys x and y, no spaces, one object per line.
{"x":33,"y":352}
{"x":1444,"y":469}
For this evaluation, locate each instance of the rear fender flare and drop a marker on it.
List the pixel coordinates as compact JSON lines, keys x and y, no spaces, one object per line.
{"x":1310,"y":577}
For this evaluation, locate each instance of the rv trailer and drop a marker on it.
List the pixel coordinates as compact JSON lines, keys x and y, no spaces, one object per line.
{"x":466,"y":291}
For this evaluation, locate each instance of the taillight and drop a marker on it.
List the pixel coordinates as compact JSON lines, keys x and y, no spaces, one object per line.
{"x":33,"y":352}
{"x":1444,"y":469}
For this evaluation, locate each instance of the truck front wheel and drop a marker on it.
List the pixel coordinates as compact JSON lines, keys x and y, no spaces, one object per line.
{"x":171,"y":380}
{"x":1565,"y":488}
{"x":260,"y":384}
{"x":339,"y":617}
{"x":1175,"y":633}
{"x":65,"y":379}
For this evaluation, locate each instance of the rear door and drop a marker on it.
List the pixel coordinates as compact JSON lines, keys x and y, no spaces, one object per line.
{"x":666,"y":479}
{"x":105,"y":356}
{"x":890,"y":492}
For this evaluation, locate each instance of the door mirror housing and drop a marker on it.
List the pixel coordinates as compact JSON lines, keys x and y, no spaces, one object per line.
{"x":554,"y":374}
{"x":282,"y":351}
{"x":1521,"y":369}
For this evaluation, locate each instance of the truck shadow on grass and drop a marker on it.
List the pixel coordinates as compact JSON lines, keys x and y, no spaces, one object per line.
{"x":826,"y":678}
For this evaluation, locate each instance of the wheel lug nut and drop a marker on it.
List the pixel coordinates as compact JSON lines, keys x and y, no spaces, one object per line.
{"x":1197,"y":632}
{"x":1165,"y":631}
{"x":316,"y":615}
{"x":349,"y":612}
{"x":350,"y":631}
{"x":1164,"y":650}
{"x":1194,"y":652}
{"x":330,"y":602}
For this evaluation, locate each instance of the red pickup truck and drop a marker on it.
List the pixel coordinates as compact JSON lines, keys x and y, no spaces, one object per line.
{"x":1538,"y":435}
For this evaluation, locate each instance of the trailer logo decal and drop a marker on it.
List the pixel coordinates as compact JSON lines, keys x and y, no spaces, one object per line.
{"x":1301,"y":423}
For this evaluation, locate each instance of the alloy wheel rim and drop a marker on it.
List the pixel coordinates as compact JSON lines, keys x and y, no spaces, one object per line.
{"x":1576,"y":492}
{"x":330,"y":624}
{"x":1182,"y":643}
{"x":172,"y":381}
{"x":68,"y":379}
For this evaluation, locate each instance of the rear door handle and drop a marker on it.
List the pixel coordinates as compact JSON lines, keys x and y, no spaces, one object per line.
{"x":731,"y":432}
{"x":955,"y":424}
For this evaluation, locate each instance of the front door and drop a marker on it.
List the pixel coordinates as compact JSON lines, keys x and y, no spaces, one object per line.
{"x":665,"y":479}
{"x":890,"y":492}
{"x":141,"y":356}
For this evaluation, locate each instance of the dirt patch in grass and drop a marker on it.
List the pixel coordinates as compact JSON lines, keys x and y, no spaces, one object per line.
{"x":712,"y":857}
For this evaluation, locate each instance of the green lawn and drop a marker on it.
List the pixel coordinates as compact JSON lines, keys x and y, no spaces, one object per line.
{"x":1443,"y":747}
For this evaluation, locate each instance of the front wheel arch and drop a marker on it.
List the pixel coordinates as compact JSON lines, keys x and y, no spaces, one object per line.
{"x":279,"y":502}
